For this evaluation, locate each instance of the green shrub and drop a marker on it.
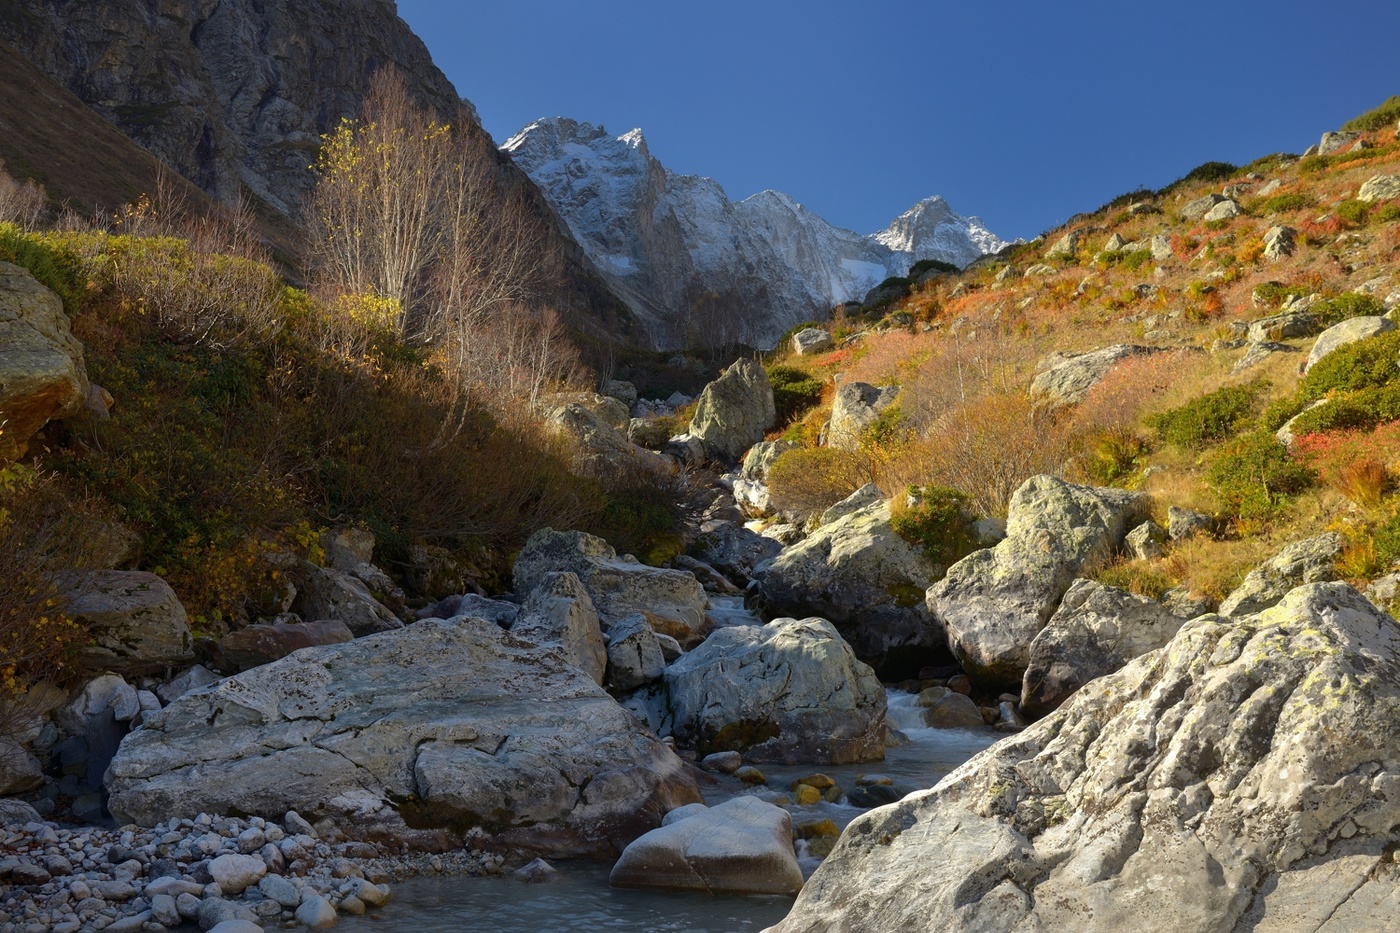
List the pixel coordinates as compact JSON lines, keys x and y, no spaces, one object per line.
{"x":1273,"y":294}
{"x":1352,"y":212}
{"x":1387,"y":540}
{"x":1278,"y":412}
{"x":930,"y":265}
{"x":1377,"y":119}
{"x":1363,"y":364}
{"x":1254,"y":476}
{"x":48,"y":258}
{"x":1206,"y":171}
{"x":1388,"y":213}
{"x":1113,"y":455}
{"x":937,"y":522}
{"x":1364,"y":408}
{"x":1281,"y":203}
{"x":805,"y":481}
{"x":1346,"y":306}
{"x":888,"y":427}
{"x":795,"y":392}
{"x":1212,"y":417}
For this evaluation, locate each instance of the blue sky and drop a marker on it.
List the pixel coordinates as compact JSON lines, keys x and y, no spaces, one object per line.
{"x":1023,"y":113}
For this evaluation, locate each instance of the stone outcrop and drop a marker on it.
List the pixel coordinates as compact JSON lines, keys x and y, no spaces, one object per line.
{"x":993,"y":602}
{"x":864,"y":578}
{"x":1379,"y":188}
{"x":323,"y":593}
{"x":742,"y":846}
{"x":560,"y":611}
{"x":751,"y":488}
{"x":1244,"y":777}
{"x":264,"y":643}
{"x":135,"y":618}
{"x":1095,"y":631}
{"x":42,"y":375}
{"x":1348,"y":331}
{"x":811,"y":340}
{"x":734,"y":411}
{"x":600,"y":448}
{"x":788,"y":691}
{"x":618,"y":586}
{"x":855,"y":408}
{"x":734,"y":550}
{"x":1312,"y":560}
{"x":413,"y":737}
{"x":1067,"y":382}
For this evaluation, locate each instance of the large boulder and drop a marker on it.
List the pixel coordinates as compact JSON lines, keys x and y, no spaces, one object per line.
{"x":1379,"y":188}
{"x":412,"y":737}
{"x":1096,"y":630}
{"x":619,"y":586}
{"x":789,"y":691}
{"x":1244,"y":777}
{"x":751,"y":487}
{"x":734,"y":550}
{"x":42,"y":376}
{"x":561,"y":611}
{"x":811,"y":340}
{"x":323,"y":593}
{"x":264,"y":643}
{"x":734,"y":411}
{"x":136,"y":621}
{"x":866,"y":579}
{"x":855,"y":408}
{"x":1312,"y":560}
{"x":742,"y":846}
{"x":613,"y":412}
{"x":993,"y":602}
{"x":1068,"y":381}
{"x":1348,"y":331}
{"x":599,"y":448}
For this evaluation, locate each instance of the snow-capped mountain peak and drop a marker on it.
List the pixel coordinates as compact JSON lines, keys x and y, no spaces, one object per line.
{"x":701,"y":269}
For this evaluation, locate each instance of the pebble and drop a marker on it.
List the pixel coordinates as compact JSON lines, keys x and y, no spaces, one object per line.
{"x":233,"y":875}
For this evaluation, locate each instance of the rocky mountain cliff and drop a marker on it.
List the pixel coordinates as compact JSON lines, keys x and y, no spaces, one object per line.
{"x":697,"y":267}
{"x":235,"y":95}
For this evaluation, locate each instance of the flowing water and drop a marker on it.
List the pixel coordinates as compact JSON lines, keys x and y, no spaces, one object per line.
{"x":581,"y":900}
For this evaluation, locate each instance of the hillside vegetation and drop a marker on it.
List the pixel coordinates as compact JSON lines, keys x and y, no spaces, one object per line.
{"x":1193,"y":421}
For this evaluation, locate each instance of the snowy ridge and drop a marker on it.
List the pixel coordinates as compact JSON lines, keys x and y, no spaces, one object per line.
{"x":701,"y":269}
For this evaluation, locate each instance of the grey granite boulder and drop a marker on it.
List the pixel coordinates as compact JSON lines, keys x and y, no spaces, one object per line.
{"x":742,"y":846}
{"x":1095,"y":631}
{"x":855,"y":408}
{"x":1244,"y":777}
{"x":864,"y":578}
{"x":1068,"y":381}
{"x":42,"y":375}
{"x":788,"y":691}
{"x":560,"y":611}
{"x":619,"y":586}
{"x":1312,"y":560}
{"x":412,"y":737}
{"x":137,"y":621}
{"x":1348,"y":331}
{"x":993,"y":602}
{"x":734,"y":411}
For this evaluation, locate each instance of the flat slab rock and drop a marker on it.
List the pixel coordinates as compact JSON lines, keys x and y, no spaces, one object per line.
{"x":1244,"y":777}
{"x":414,"y":737}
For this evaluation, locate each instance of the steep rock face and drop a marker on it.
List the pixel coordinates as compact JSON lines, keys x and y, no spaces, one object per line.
{"x":699,"y":268}
{"x":235,"y":95}
{"x":1244,"y":777}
